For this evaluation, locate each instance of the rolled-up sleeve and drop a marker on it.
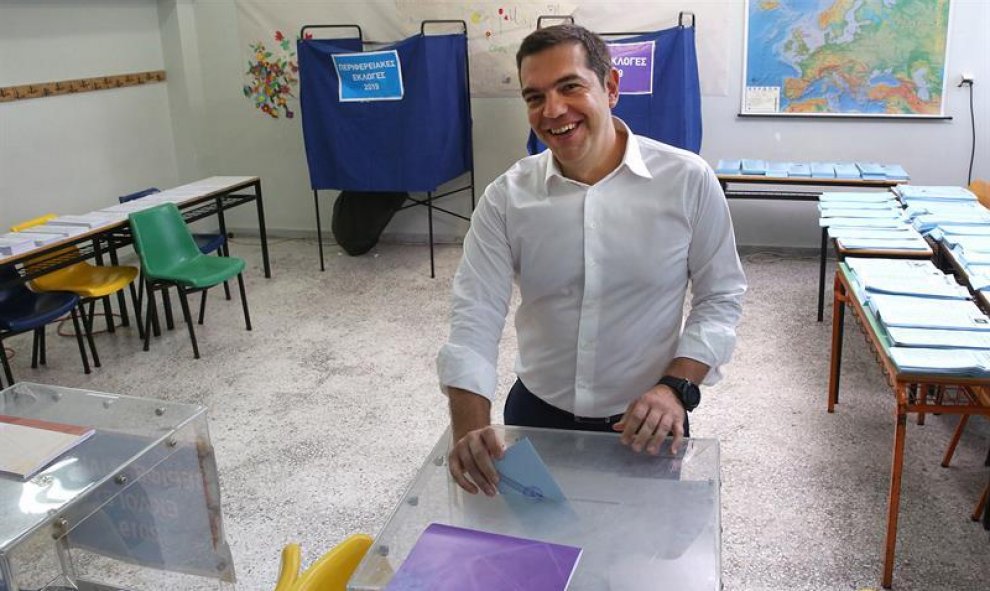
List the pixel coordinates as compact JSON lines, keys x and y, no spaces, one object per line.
{"x":717,"y":282}
{"x":480,"y":297}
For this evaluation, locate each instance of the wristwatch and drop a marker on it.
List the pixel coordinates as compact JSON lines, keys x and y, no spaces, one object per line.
{"x":685,"y":390}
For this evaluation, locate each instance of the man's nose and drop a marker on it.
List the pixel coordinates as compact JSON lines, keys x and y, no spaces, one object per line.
{"x":553,"y":106}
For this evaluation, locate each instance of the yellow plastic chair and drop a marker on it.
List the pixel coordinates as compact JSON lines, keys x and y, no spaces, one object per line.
{"x":89,"y":282}
{"x":329,"y":573}
{"x":982,"y":190}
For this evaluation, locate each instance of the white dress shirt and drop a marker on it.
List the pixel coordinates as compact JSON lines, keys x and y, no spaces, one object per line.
{"x":603,"y":271}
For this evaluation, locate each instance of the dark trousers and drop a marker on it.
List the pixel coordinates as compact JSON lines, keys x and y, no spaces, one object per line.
{"x":525,"y":409}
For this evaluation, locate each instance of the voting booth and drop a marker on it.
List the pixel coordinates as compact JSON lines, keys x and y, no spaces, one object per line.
{"x":659,"y":89}
{"x":386,"y":117}
{"x":135,"y":506}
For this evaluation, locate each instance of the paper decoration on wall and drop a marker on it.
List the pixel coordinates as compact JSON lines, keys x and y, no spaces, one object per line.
{"x":273,"y":75}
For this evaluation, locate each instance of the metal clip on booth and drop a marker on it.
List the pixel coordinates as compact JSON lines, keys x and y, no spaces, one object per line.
{"x":570,"y":19}
{"x":359,"y":44}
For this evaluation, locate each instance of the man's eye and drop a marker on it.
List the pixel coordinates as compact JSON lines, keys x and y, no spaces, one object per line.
{"x":532,"y":100}
{"x":571,"y":87}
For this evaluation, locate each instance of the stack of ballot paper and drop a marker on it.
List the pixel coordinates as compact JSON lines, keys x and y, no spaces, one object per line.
{"x":871,"y":171}
{"x":922,"y":312}
{"x":868,"y":221}
{"x":918,"y":278}
{"x":11,"y":244}
{"x":846,"y":170}
{"x":822,"y":170}
{"x":933,"y":193}
{"x":729,"y":167}
{"x":941,"y":361}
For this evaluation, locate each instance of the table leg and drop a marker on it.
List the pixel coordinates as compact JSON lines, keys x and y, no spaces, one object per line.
{"x":894,"y":501}
{"x":822,"y":250}
{"x":259,"y":202}
{"x":838,"y":326}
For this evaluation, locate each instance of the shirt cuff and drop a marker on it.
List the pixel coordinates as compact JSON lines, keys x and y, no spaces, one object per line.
{"x":711,"y":345}
{"x":461,"y":367}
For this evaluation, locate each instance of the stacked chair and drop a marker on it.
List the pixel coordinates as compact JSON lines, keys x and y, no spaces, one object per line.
{"x":22,"y":310}
{"x":170,"y":258}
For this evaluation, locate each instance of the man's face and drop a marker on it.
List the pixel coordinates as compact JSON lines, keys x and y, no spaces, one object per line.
{"x":568,"y":107}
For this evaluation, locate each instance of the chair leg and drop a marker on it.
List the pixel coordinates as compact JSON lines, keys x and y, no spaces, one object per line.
{"x":136,"y":300}
{"x":42,"y":347}
{"x":79,"y":338}
{"x":222,"y":251}
{"x":35,"y":344}
{"x":108,"y":313}
{"x":167,"y":304}
{"x":202,"y":306}
{"x":184,"y":301}
{"x":125,"y":319}
{"x":88,"y":327}
{"x":247,"y":315}
{"x":6,"y":365}
{"x":151,"y":314}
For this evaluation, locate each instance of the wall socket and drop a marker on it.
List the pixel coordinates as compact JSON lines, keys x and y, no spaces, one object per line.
{"x":965,"y":79}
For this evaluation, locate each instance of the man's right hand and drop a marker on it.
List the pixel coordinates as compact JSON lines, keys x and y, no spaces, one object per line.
{"x":471,"y":455}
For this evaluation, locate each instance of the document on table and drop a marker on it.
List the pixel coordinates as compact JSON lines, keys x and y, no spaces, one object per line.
{"x":860,"y":222}
{"x":778,"y":169}
{"x":890,"y":204}
{"x":869,"y":268}
{"x":847,"y":212}
{"x":918,"y":312}
{"x":934,"y":192}
{"x":895,"y":233}
{"x":859,"y":197}
{"x":941,"y":361}
{"x":728,"y":167}
{"x":969,"y":244}
{"x":938,"y":339}
{"x":884,"y":243}
{"x":927,"y":286}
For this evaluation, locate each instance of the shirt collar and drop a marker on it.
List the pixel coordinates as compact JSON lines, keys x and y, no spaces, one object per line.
{"x":632,"y":158}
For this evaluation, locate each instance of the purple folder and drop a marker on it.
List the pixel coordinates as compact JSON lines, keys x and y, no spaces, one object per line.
{"x":447,"y":558}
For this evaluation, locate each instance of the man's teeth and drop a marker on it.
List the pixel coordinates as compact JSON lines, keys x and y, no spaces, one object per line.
{"x":564,"y":129}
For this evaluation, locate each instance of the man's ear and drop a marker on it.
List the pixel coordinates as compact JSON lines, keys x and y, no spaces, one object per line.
{"x":612,"y":87}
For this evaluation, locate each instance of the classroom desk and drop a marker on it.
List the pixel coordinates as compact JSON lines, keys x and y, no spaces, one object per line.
{"x":136,"y":506}
{"x":212,"y":196}
{"x":667,"y":509}
{"x":911,"y":394}
{"x":787,"y":192}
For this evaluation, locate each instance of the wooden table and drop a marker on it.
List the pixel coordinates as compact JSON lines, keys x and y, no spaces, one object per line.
{"x":787,"y":192}
{"x":959,"y":394}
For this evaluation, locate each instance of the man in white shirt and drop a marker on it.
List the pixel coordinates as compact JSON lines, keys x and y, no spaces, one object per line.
{"x":602,"y":232}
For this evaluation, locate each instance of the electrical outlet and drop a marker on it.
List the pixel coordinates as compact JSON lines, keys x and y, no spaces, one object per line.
{"x":965,"y":79}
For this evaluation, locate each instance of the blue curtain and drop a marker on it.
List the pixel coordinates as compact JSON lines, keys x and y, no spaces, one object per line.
{"x":672,"y":114}
{"x":413,"y":144}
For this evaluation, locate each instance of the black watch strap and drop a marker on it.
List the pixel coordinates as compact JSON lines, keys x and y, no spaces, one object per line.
{"x":686,"y":391}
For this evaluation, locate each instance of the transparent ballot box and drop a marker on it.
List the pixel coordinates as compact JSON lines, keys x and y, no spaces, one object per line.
{"x":643,"y":522}
{"x":134,"y":507}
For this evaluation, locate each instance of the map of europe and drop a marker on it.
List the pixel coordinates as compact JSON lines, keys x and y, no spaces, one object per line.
{"x":869,"y":57}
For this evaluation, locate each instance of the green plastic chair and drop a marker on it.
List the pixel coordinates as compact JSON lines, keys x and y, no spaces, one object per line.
{"x":169,"y":257}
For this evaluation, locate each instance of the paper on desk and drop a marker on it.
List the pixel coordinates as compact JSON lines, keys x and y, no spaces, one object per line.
{"x":857,"y":197}
{"x":895,"y":233}
{"x":850,"y":212}
{"x":916,"y":312}
{"x":938,"y":339}
{"x":522,"y":468}
{"x":941,"y":361}
{"x":860,"y":222}
{"x":884,"y":243}
{"x":931,"y":286}
{"x":857,"y":205}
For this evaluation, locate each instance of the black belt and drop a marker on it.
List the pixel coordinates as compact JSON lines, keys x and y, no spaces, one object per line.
{"x":595,"y":420}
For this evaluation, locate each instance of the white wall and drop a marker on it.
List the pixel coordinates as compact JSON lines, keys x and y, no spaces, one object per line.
{"x":75,"y":153}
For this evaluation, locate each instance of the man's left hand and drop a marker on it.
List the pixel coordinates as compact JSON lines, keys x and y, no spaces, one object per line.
{"x":650,"y":418}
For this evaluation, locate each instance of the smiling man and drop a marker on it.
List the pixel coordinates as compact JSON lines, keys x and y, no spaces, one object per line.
{"x":603,"y":232}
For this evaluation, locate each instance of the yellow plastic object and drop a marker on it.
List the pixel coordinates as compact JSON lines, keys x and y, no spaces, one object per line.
{"x":82,"y":279}
{"x":982,"y":190}
{"x":288,"y":571}
{"x":332,"y":571}
{"x":33,"y":222}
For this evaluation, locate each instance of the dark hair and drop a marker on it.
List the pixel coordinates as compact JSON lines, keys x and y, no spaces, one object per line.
{"x":595,"y":50}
